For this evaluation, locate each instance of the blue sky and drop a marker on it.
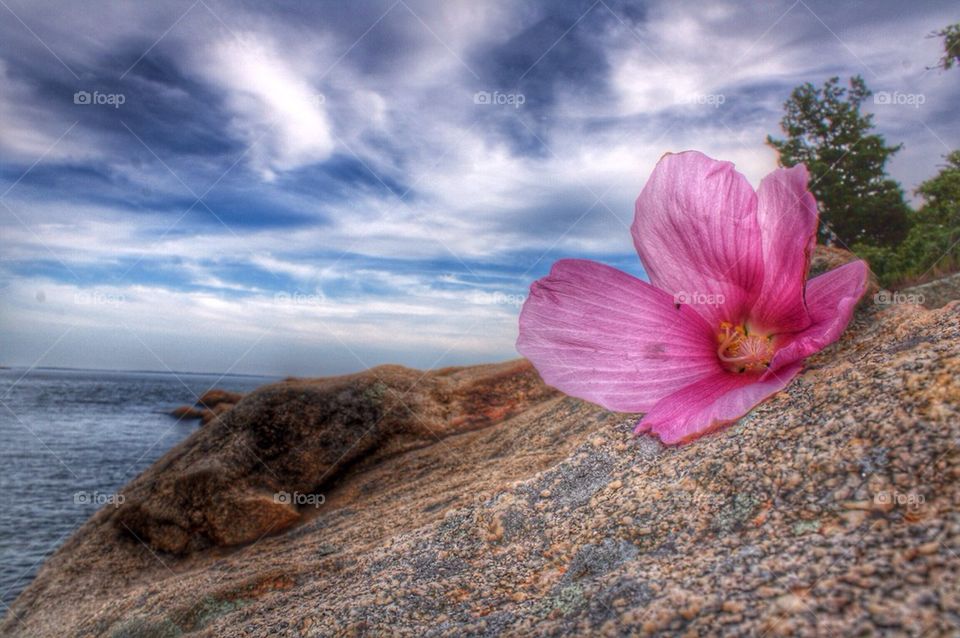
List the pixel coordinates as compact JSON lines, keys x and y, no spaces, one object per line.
{"x":315,"y":188}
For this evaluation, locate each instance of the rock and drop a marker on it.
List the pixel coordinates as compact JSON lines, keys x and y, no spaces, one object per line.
{"x":827,"y":258}
{"x":212,"y":404}
{"x":937,"y":293}
{"x":476,"y":501}
{"x":210,"y":415}
{"x":295,"y":437}
{"x":187,"y":412}
{"x":213,"y":398}
{"x":790,"y":604}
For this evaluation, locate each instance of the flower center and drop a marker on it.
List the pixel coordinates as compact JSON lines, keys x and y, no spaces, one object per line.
{"x":741,"y":351}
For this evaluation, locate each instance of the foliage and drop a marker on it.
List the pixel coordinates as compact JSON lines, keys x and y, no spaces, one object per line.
{"x":884,"y":262}
{"x":826,"y":131}
{"x":941,"y":195}
{"x":951,"y":46}
{"x":932,"y":247}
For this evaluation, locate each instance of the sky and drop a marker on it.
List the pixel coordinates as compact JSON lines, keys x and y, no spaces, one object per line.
{"x":317,"y":188}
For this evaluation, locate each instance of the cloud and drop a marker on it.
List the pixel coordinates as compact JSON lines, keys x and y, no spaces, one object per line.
{"x":329,"y":166}
{"x":273,"y":108}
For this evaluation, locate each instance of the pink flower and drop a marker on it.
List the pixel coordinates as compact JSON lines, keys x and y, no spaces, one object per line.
{"x":727,"y":318}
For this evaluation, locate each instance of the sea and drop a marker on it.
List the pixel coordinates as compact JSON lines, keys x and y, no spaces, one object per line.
{"x":70,"y":439}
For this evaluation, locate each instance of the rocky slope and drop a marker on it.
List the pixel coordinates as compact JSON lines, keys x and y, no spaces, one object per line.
{"x":476,"y":501}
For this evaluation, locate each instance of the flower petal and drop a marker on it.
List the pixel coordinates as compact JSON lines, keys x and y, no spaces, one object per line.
{"x":697,"y":234}
{"x":599,"y":334}
{"x":711,"y":403}
{"x":787,"y":214}
{"x":831,"y":300}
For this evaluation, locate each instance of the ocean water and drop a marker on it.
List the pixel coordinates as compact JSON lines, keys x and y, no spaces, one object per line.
{"x":70,"y":440}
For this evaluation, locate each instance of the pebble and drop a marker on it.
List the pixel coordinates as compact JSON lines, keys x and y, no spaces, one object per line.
{"x":790,"y":604}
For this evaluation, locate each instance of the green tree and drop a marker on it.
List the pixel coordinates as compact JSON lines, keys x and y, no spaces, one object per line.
{"x":932,"y":247}
{"x":941,"y":194}
{"x":933,"y":244}
{"x":826,"y":131}
{"x":951,"y":46}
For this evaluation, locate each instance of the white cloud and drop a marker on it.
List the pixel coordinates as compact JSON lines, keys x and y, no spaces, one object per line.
{"x":163,"y":328}
{"x":275,"y":109}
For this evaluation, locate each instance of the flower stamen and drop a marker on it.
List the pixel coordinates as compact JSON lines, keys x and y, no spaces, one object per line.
{"x":741,"y":351}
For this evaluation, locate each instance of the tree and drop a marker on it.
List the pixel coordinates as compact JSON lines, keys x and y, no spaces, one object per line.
{"x":826,"y":131}
{"x":933,"y":245}
{"x":941,"y":194}
{"x":951,"y":46}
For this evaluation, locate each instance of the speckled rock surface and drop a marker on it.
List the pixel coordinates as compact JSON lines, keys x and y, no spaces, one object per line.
{"x":238,"y":479}
{"x":938,"y":292}
{"x":826,"y":258}
{"x":832,"y":509}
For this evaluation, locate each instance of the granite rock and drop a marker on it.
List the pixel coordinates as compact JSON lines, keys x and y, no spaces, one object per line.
{"x":476,"y":501}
